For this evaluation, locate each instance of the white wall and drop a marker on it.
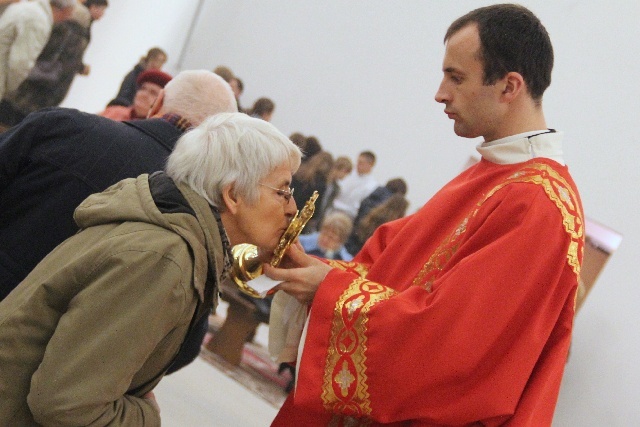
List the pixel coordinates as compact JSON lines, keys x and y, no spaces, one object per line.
{"x":362,"y":75}
{"x":125,"y":33}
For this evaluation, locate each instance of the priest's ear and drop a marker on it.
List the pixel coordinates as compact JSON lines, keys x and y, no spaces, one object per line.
{"x":514,"y":84}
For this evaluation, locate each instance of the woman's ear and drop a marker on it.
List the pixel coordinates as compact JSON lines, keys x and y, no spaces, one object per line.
{"x":230,"y":199}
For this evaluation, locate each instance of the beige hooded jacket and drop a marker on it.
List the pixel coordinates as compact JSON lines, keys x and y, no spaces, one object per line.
{"x":97,"y":323}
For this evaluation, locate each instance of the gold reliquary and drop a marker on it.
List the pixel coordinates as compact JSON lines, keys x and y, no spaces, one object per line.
{"x":247,"y":265}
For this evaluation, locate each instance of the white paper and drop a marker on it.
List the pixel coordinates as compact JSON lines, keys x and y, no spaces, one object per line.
{"x":262,"y":284}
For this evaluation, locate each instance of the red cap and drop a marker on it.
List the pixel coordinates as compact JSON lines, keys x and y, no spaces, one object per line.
{"x":153,"y":76}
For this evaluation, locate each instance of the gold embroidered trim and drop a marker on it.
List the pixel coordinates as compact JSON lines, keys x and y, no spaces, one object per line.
{"x":557,"y":189}
{"x":360,"y":269}
{"x":345,"y":388}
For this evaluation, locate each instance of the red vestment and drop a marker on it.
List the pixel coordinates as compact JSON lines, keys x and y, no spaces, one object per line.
{"x":460,"y":314}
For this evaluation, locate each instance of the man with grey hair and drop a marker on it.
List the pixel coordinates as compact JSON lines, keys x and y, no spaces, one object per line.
{"x":57,"y":157}
{"x":24,"y":30}
{"x":127,"y":291}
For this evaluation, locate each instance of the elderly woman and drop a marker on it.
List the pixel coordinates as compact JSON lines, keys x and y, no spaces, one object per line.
{"x":89,"y":333}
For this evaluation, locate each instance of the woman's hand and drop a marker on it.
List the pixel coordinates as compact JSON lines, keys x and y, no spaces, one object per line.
{"x":302,"y":279}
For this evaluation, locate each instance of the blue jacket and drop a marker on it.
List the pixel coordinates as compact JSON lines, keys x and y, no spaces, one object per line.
{"x":310,"y":244}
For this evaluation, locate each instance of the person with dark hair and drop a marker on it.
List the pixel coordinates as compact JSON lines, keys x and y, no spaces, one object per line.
{"x":150,"y":84}
{"x":153,"y":60}
{"x":64,"y":50}
{"x":310,"y":147}
{"x":224,"y":72}
{"x":263,"y":109}
{"x":392,"y":208}
{"x":342,"y":167}
{"x":474,"y":294}
{"x":356,"y":186}
{"x":237,"y":86}
{"x":312,"y":176}
{"x":298,"y":139}
{"x":376,"y":198}
{"x":379,"y":195}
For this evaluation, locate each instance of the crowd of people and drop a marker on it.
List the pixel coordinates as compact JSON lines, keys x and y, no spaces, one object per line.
{"x":42,"y":44}
{"x":116,"y":232}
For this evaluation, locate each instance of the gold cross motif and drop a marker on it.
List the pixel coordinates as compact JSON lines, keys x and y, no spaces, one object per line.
{"x":354,"y":305}
{"x":344,"y":379}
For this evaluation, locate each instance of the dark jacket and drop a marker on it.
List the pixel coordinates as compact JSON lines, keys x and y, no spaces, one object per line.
{"x":128,"y":88}
{"x":51,"y":162}
{"x":376,"y":198}
{"x":355,"y":242}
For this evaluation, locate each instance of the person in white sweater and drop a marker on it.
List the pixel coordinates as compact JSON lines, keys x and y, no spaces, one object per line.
{"x":25,"y":28}
{"x":357,"y":185}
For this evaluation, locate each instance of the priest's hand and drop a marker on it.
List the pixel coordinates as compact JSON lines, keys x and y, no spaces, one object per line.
{"x":302,"y":279}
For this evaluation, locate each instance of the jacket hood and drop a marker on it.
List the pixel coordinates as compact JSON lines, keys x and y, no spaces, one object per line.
{"x":157,"y":200}
{"x":128,"y":200}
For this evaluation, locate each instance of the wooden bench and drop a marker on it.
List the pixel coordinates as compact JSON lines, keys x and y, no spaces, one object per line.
{"x":239,"y":327}
{"x":600,"y":243}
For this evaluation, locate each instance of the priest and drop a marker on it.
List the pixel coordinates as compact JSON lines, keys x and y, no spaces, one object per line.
{"x":460,"y":314}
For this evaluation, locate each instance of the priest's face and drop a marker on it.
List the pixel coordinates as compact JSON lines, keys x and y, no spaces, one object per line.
{"x":474,"y":107}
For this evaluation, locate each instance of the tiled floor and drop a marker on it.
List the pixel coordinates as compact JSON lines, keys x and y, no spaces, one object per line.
{"x":200,"y":395}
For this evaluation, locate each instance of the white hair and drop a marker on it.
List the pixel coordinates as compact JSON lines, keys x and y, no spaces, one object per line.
{"x":198,"y":94}
{"x":340,"y":223}
{"x":230,"y":148}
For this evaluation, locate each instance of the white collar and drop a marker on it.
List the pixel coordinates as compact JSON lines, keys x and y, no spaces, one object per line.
{"x":524,"y":146}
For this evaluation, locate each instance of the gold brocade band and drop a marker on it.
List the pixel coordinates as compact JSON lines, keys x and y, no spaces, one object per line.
{"x":559,"y":192}
{"x":345,"y":388}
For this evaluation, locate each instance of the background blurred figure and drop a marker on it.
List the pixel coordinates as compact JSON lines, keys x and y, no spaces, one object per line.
{"x":56,"y":157}
{"x":65,"y":49}
{"x":153,"y":60}
{"x":356,"y":186}
{"x":150,"y":84}
{"x":379,"y":196}
{"x":393,"y":208}
{"x":342,"y":167}
{"x":310,"y":147}
{"x":237,"y":86}
{"x":298,"y":139}
{"x":224,"y":72}
{"x":329,"y":241}
{"x":25,"y":28}
{"x":5,"y":3}
{"x":263,"y":109}
{"x":312,"y":176}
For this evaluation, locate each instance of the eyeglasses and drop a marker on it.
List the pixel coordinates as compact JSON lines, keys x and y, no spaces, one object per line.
{"x":286,"y":194}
